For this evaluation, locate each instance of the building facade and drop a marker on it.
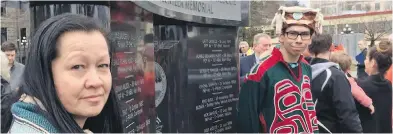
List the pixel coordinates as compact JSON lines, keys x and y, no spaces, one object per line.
{"x":341,"y":7}
{"x":15,"y":25}
{"x":358,"y":22}
{"x":358,"y":16}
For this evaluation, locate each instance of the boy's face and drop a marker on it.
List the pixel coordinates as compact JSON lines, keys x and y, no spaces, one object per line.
{"x":296,"y":39}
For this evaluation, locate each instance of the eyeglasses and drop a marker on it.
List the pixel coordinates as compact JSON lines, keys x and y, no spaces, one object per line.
{"x":293,"y":35}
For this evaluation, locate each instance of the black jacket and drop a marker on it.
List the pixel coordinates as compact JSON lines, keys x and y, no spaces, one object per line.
{"x":380,"y":91}
{"x":6,"y":103}
{"x":335,"y":108}
{"x":5,"y":86}
{"x":246,"y":63}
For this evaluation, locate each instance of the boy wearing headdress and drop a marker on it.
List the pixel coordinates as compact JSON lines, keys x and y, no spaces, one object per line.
{"x":276,"y":95}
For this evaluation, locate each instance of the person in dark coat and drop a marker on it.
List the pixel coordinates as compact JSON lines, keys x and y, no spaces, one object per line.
{"x":262,"y":43}
{"x":361,"y":74}
{"x":335,"y":105}
{"x":377,"y":62}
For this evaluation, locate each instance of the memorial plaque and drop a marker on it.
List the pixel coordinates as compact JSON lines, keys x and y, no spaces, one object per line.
{"x":133,"y":67}
{"x":212,"y":81}
{"x":171,"y":76}
{"x":201,"y":75}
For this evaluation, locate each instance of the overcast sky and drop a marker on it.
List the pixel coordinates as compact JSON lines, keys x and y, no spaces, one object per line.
{"x":304,"y":2}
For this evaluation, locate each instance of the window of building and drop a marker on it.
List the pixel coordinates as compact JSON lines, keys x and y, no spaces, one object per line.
{"x":323,"y":10}
{"x":23,"y":36}
{"x":358,"y":7}
{"x":3,"y":9}
{"x":348,"y":7}
{"x":367,"y":7}
{"x":388,"y":5}
{"x":333,"y":9}
{"x":326,"y":29}
{"x":377,"y":7}
{"x":3,"y":35}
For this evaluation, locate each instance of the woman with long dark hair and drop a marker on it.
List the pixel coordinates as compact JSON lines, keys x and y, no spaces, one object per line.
{"x":379,"y":89}
{"x":67,"y":81}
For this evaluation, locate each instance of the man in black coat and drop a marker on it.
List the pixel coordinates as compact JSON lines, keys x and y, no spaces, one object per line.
{"x":361,"y":74}
{"x":335,"y":106}
{"x":261,"y":43}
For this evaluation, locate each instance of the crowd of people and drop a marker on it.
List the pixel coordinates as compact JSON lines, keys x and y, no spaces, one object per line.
{"x":305,"y":85}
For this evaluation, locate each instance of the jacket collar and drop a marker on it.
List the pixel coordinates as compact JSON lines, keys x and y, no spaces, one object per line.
{"x":32,"y":115}
{"x":276,"y":52}
{"x":33,"y":100}
{"x":30,"y":103}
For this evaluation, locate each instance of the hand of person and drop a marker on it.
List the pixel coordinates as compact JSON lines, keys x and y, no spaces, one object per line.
{"x":371,"y":107}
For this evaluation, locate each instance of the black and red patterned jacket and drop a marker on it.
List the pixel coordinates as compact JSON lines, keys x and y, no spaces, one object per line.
{"x":276,"y":98}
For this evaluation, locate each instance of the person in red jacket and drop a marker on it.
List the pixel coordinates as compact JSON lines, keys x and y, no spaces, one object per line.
{"x":276,"y":95}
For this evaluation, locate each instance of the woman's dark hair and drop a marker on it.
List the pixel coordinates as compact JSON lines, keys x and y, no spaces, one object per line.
{"x":320,"y":43}
{"x":38,"y":77}
{"x":382,"y":54}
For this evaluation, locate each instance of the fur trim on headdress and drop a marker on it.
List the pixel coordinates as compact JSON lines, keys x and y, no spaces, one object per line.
{"x":280,"y":18}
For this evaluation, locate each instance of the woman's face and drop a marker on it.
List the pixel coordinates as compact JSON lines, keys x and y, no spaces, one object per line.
{"x":370,"y":65}
{"x":81,"y":72}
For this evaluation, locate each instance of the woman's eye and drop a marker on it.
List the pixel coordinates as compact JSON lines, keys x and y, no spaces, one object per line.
{"x":76,"y":67}
{"x":104,"y":65}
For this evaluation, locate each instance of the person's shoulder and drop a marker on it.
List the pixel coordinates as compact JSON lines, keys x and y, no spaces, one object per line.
{"x":364,"y":81}
{"x":19,"y":65}
{"x":246,"y":58}
{"x":337,"y":73}
{"x":307,"y":59}
{"x":262,"y":67}
{"x":250,"y":56}
{"x":24,"y":126}
{"x":28,"y":115}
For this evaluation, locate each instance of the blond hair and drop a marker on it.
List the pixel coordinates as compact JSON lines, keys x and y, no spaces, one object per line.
{"x":258,"y":36}
{"x":243,"y":43}
{"x":342,"y":59}
{"x":4,"y":69}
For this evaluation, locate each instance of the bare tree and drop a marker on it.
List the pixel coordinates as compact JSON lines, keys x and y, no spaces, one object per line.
{"x":263,"y":11}
{"x":261,"y":14}
{"x":376,"y":29}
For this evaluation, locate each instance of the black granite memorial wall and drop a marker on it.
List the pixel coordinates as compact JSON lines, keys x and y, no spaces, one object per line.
{"x":172,"y":71}
{"x":212,"y":88}
{"x":200,"y":71}
{"x":133,"y":65}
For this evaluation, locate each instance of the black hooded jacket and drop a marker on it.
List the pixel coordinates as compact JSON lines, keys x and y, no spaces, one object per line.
{"x":336,"y":109}
{"x":380,"y":91}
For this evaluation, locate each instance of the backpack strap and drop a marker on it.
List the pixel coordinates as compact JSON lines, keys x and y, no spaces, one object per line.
{"x":328,"y":75}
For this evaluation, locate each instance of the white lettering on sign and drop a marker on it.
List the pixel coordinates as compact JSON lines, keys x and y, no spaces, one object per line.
{"x":229,"y":10}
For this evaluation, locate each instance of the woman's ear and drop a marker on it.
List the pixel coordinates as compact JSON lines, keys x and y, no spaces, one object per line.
{"x":374,"y":64}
